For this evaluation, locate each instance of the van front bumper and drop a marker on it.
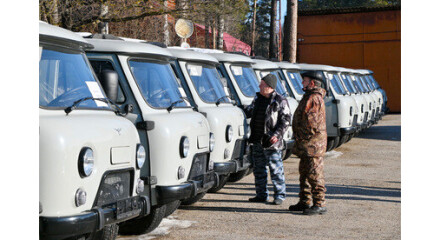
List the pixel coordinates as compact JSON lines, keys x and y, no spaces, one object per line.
{"x":348,"y":130}
{"x":167,"y":194}
{"x":232,"y":166}
{"x":93,"y":220}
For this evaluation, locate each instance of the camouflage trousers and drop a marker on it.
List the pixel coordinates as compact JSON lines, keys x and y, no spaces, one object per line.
{"x":272,"y":158}
{"x":311,"y":181}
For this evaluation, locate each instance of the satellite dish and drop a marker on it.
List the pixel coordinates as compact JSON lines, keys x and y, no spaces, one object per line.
{"x":184,"y":28}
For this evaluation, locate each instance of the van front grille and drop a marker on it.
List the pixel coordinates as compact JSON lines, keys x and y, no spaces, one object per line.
{"x":114,"y":186}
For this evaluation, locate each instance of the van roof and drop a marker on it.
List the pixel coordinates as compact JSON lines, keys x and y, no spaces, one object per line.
{"x":287,"y":65}
{"x":305,"y":66}
{"x":231,"y":57}
{"x":52,"y":31}
{"x":365,"y":71}
{"x":188,"y":54}
{"x":118,"y":46}
{"x":264,"y":64}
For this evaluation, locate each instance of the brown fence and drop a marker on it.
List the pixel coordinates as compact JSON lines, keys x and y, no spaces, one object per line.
{"x":357,"y":38}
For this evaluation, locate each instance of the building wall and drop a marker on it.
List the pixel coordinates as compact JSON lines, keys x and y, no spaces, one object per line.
{"x":369,"y":40}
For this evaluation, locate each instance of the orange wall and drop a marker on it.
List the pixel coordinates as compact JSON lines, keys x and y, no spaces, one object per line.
{"x":368,"y":40}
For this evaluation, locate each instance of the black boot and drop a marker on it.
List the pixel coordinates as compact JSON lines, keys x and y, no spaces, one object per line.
{"x":315,"y":210}
{"x":300,"y":206}
{"x":257,"y":199}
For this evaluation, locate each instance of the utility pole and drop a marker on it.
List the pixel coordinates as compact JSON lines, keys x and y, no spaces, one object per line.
{"x":290,"y":31}
{"x":253,"y":29}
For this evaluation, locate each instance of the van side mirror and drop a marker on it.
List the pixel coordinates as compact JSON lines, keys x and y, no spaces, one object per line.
{"x":109,"y":81}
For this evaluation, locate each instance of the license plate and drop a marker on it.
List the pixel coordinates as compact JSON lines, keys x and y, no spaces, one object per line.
{"x":128,"y":207}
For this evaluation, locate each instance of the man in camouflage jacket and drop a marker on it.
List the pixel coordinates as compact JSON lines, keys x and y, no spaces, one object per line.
{"x":309,"y":128}
{"x":270,"y":119}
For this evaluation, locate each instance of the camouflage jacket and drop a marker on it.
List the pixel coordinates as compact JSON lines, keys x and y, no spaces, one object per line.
{"x":309,"y":126}
{"x":277,"y":119}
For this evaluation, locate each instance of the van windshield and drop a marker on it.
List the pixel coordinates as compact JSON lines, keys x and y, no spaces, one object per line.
{"x":373,"y":81}
{"x":358,"y":84}
{"x":364,"y":83}
{"x":335,"y":81}
{"x":348,"y":83}
{"x":369,"y":83}
{"x":246,"y":79}
{"x":207,"y":83}
{"x":65,"y":77}
{"x":296,"y":80}
{"x":280,"y":87}
{"x":157,"y":83}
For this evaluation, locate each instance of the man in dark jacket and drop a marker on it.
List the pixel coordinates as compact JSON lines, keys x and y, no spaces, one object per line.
{"x":309,"y":128}
{"x":270,"y":119}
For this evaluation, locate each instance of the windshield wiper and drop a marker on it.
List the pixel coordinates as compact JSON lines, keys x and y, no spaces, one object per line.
{"x":173,"y":104}
{"x":218,"y":100}
{"x":106,"y":100}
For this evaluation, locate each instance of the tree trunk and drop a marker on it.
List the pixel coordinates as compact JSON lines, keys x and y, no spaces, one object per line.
{"x":253,"y":29}
{"x":290,"y":31}
{"x":220,"y":28}
{"x":207,"y":26}
{"x":273,"y":29}
{"x":103,"y":26}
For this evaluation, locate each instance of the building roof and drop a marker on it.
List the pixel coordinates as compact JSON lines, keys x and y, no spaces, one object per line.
{"x":328,"y":11}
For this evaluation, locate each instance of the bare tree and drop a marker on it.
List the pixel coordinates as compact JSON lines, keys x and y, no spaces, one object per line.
{"x":290,"y":31}
{"x":273,"y":29}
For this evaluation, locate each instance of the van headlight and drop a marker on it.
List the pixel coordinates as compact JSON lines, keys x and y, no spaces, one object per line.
{"x":211,"y":142}
{"x":248,"y":132}
{"x":370,"y":105}
{"x":362,"y":108}
{"x":184,"y":146}
{"x":140,"y":156}
{"x":80,"y":197}
{"x":229,"y":133}
{"x":140,"y":186}
{"x":351,"y":111}
{"x":86,"y":161}
{"x":180,"y":172}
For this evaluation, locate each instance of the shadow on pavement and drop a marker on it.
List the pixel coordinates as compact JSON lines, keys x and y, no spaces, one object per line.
{"x":391,"y":133}
{"x":235,"y":209}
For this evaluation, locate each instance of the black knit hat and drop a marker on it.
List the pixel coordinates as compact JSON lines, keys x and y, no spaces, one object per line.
{"x":270,"y":80}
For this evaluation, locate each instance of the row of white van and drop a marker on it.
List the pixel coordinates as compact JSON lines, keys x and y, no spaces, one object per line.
{"x":129,"y":130}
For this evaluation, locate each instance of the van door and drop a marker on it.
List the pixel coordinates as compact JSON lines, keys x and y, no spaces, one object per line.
{"x":127,"y":102}
{"x":331,"y":115}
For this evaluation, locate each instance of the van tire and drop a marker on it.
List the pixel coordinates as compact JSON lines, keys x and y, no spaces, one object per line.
{"x":192,"y":200}
{"x":343,"y":140}
{"x":145,"y":224}
{"x":109,"y":232}
{"x":171,"y":207}
{"x":235,"y":177}
{"x":222,"y":179}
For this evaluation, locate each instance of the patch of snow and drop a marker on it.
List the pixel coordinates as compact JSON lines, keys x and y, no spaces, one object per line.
{"x":163,"y":229}
{"x":333,"y":154}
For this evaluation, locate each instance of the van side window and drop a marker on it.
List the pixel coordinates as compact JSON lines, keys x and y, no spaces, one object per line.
{"x":100,"y":65}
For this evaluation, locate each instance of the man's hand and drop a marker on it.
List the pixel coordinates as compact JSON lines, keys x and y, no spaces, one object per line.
{"x":273,"y":139}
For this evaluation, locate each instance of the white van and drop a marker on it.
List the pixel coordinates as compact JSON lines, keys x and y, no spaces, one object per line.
{"x":177,"y":139}
{"x":264,"y":67}
{"x":366,"y":75}
{"x":341,"y":109}
{"x":90,"y":156}
{"x":291,"y":73}
{"x":364,"y":92}
{"x":384,"y":107}
{"x":209,"y":92}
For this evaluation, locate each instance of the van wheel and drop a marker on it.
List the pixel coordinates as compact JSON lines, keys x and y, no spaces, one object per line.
{"x":171,"y":207}
{"x":222,"y":179}
{"x":235,"y":177}
{"x":194,"y":199}
{"x":107,"y":233}
{"x":330,"y":143}
{"x":145,"y":224}
{"x":343,"y":140}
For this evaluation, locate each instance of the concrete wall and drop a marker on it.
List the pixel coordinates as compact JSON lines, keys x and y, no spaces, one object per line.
{"x":368,"y":40}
